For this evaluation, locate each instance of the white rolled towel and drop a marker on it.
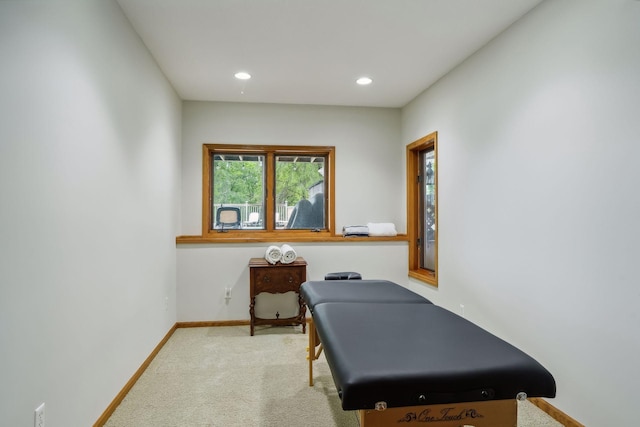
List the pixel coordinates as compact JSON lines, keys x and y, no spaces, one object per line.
{"x":273,"y":254}
{"x":288,"y":254}
{"x":382,"y":229}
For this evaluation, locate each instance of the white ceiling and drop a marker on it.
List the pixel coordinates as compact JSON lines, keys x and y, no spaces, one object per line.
{"x":312,"y":51}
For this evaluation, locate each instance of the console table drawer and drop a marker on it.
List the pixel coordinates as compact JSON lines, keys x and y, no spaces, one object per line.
{"x":279,"y":280}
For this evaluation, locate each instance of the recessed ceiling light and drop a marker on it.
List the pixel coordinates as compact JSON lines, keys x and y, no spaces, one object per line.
{"x":243,"y":76}
{"x":364,"y":81}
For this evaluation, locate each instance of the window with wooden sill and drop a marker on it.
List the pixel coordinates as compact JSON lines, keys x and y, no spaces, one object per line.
{"x":422,"y":212}
{"x":267,"y":192}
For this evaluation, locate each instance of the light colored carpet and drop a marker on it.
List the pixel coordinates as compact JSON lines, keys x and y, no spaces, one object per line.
{"x":223,"y":377}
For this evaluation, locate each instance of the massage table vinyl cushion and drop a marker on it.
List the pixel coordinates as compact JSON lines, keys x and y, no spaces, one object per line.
{"x":357,"y":291}
{"x":419,"y":354}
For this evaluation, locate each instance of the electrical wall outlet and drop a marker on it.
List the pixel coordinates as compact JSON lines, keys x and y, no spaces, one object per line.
{"x":166,"y":303}
{"x":39,"y":417}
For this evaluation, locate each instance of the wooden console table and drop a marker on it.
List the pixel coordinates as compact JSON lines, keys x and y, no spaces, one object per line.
{"x":276,"y":279}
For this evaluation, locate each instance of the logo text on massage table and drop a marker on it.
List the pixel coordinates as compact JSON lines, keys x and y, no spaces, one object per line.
{"x":446,"y":414}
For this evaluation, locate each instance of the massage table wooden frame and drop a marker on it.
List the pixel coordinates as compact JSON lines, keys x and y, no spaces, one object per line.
{"x":492,"y":413}
{"x":407,"y":364}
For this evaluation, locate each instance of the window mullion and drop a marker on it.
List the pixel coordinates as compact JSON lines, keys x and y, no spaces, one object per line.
{"x":270,"y":204}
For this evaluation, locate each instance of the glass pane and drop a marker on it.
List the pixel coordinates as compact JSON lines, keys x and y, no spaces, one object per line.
{"x":300,"y":192}
{"x":238,"y":191}
{"x":428,"y":209}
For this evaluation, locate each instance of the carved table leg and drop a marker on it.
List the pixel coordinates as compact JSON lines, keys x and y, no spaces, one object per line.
{"x":252,"y":313}
{"x":303,"y":313}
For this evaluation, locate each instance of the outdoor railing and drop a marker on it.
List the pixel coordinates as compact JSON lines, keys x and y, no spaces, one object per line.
{"x":246,"y":209}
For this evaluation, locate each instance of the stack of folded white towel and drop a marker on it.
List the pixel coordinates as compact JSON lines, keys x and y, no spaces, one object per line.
{"x":371,"y":229}
{"x":355,"y":231}
{"x":284,"y":254}
{"x":382,"y":229}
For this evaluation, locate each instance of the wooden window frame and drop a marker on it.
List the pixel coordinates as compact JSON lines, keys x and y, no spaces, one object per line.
{"x":270,"y":232}
{"x":414,"y":211}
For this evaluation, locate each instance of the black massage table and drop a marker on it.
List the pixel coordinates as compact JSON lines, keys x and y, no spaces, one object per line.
{"x":414,"y":362}
{"x":351,"y":291}
{"x":357,"y":291}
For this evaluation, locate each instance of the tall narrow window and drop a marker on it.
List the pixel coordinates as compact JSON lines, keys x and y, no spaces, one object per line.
{"x":422,"y":212}
{"x":427,"y":231}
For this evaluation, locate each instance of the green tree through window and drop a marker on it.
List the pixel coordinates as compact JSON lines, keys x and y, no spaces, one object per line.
{"x":293,"y":180}
{"x":238,"y":181}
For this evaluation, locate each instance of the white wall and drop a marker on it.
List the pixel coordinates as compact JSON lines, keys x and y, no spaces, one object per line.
{"x":204,"y":271}
{"x":368,"y":188}
{"x":366,"y":141}
{"x":539,"y":200}
{"x":89,"y":190}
